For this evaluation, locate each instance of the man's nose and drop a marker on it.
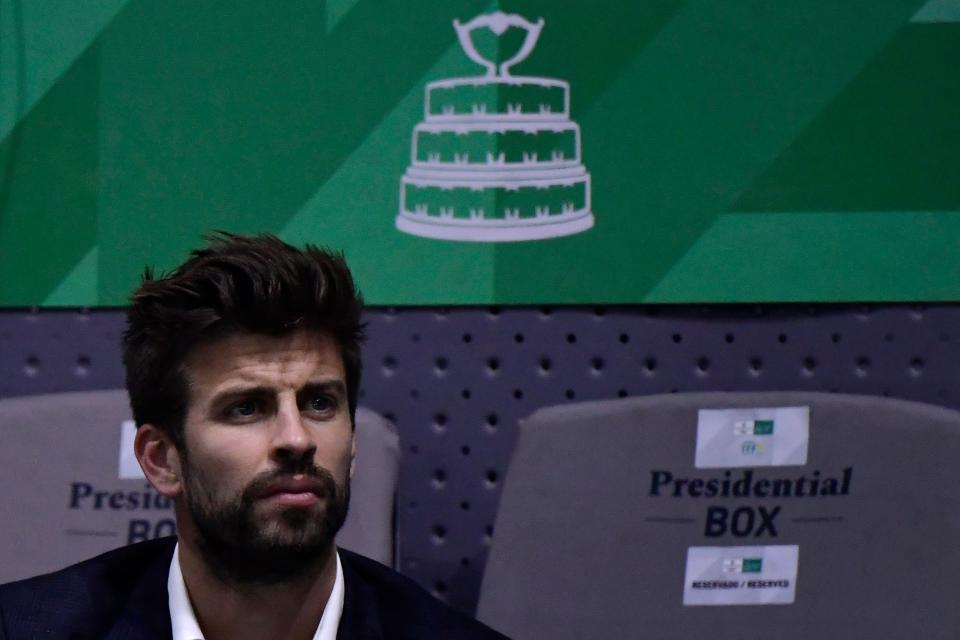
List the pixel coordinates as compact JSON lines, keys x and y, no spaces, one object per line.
{"x":292,"y":439}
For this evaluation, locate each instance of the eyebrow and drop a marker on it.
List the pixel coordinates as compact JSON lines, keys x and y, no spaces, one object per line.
{"x":336,"y":387}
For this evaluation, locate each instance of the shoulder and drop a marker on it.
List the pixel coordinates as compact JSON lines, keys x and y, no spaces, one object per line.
{"x":404,"y":608}
{"x":116,"y":567}
{"x":81,"y":594}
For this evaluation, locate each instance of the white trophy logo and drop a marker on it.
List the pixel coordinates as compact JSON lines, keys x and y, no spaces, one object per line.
{"x":497,"y":158}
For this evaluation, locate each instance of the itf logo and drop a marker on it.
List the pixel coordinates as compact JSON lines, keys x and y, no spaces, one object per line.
{"x":743,"y":565}
{"x":753,"y":428}
{"x":497,"y":157}
{"x":750,"y":447}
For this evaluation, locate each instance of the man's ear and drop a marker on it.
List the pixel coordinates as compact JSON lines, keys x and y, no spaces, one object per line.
{"x":159,"y":460}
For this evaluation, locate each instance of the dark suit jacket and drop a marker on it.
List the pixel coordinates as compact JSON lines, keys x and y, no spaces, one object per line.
{"x":122,"y":594}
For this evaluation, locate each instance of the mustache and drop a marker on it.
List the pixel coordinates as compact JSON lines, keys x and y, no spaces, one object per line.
{"x":326,"y":486}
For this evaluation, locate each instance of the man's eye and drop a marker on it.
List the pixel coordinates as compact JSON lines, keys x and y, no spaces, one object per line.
{"x":321,"y":404}
{"x":243,"y":409}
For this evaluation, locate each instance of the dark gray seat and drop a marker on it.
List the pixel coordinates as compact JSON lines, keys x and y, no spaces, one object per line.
{"x":71,"y":488}
{"x":601,"y":508}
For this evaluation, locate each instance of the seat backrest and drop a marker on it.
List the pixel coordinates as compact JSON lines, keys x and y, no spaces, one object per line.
{"x":729,"y":516}
{"x":72,"y":488}
{"x":370,"y":529}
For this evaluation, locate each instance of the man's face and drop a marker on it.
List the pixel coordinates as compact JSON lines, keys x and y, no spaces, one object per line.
{"x":268,"y":452}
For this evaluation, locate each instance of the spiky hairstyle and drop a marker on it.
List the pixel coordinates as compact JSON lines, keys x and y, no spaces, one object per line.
{"x":236,"y":284}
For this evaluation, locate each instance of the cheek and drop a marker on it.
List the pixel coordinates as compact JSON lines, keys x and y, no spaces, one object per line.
{"x":226,"y":461}
{"x":335,"y":455}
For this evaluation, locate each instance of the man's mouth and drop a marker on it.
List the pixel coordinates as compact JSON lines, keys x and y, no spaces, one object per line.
{"x":295,"y":491}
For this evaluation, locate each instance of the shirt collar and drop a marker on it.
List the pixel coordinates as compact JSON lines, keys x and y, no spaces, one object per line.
{"x":183,"y":620}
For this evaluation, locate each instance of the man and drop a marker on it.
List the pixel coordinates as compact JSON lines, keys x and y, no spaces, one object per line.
{"x":243,"y":367}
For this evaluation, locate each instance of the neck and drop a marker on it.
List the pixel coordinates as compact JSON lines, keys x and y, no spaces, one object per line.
{"x":240,"y":611}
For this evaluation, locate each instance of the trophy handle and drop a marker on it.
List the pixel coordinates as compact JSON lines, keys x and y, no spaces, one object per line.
{"x":498,"y":22}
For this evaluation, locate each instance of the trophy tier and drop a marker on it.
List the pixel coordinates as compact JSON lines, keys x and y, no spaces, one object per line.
{"x":495,"y":210}
{"x":511,"y":97}
{"x":494,"y":145}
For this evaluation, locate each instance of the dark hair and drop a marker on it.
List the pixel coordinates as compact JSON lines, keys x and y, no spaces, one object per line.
{"x":237,"y":284}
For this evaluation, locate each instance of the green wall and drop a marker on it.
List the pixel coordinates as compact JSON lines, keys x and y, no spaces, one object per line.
{"x":737,"y":150}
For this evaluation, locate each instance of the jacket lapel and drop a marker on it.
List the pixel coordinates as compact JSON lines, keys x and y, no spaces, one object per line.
{"x":360,"y":619}
{"x":146,"y":613}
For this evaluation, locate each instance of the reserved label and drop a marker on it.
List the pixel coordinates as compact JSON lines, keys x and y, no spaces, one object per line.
{"x":718,"y":576}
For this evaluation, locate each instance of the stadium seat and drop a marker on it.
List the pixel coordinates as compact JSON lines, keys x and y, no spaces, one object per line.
{"x":729,"y":516}
{"x":72,"y":488}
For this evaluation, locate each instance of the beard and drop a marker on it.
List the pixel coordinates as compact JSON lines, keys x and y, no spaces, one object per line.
{"x":241,"y":546}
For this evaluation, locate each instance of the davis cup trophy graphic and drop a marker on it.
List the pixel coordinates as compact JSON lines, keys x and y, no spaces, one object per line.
{"x":497,"y":158}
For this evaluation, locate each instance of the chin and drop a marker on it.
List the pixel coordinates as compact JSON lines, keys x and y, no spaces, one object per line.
{"x":296,"y":527}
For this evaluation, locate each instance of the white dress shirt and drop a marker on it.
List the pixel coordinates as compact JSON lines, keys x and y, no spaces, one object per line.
{"x":184,"y":621}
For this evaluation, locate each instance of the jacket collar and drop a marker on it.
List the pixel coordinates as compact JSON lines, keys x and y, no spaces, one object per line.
{"x":146,"y":613}
{"x":360,"y":619}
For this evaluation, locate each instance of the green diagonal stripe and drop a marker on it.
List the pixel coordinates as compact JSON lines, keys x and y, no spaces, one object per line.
{"x":700,"y":112}
{"x":219,"y":122}
{"x":39,"y":41}
{"x":869,"y":256}
{"x":879,"y":145}
{"x":366,"y":187}
{"x":48,"y":197}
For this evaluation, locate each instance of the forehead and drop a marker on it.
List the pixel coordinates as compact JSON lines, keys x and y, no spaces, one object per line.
{"x":287,"y":360}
